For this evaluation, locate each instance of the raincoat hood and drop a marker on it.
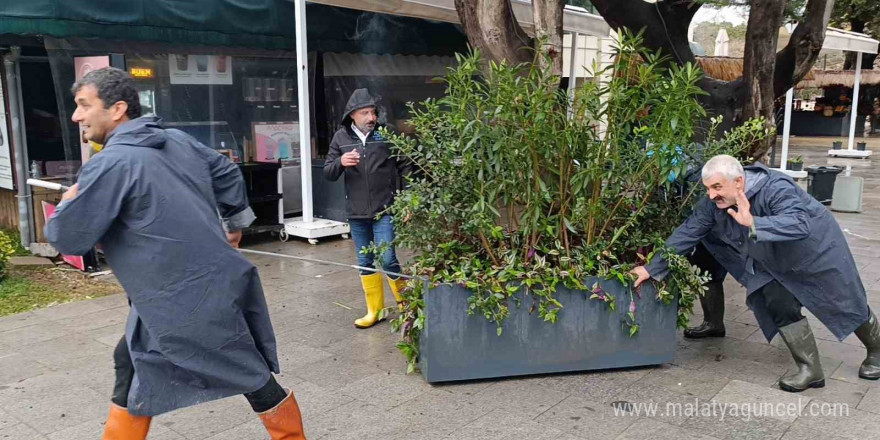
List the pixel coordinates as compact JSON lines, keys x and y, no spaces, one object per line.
{"x":756,"y":178}
{"x":146,"y":131}
{"x":359,"y":99}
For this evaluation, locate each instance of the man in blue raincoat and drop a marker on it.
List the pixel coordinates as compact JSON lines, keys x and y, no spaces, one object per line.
{"x":789,"y":252}
{"x":198,"y":328}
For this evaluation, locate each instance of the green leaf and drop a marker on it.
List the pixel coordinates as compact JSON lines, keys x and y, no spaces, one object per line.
{"x":633,"y":330}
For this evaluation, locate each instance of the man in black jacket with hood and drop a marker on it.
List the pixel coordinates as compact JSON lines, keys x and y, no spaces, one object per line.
{"x":372,"y":175}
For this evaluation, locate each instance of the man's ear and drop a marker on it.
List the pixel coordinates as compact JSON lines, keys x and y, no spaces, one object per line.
{"x":120,"y":109}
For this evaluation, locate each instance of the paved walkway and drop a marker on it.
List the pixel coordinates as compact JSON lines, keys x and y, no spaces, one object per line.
{"x":56,"y":371}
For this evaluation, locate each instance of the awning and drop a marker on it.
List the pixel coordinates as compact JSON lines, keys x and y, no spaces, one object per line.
{"x":849,"y":41}
{"x":574,"y":20}
{"x":266,"y":24}
{"x":358,"y":64}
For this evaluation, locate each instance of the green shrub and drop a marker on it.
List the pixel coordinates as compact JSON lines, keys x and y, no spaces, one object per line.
{"x":9,"y":246}
{"x":512,"y":192}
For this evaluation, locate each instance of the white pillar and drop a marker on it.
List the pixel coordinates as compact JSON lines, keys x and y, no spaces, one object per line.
{"x":855,"y":102}
{"x":305,"y":138}
{"x":786,"y":128}
{"x":571,"y":73}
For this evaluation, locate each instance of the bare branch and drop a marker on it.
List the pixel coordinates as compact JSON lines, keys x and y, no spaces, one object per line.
{"x":795,"y":60}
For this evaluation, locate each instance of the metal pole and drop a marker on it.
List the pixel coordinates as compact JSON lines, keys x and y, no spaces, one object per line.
{"x":24,"y":146}
{"x":786,"y":128}
{"x":24,"y":220}
{"x":855,"y":102}
{"x":305,"y":138}
{"x":571,"y":73}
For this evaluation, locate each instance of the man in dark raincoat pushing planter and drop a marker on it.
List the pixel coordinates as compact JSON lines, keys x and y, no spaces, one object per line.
{"x":789,"y":252}
{"x":199,"y":328}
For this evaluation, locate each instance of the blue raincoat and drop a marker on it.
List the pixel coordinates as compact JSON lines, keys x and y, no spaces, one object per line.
{"x":799,"y":244}
{"x":198,"y":328}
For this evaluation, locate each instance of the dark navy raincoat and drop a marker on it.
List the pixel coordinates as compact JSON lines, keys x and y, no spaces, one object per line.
{"x":198,"y":328}
{"x":799,"y":244}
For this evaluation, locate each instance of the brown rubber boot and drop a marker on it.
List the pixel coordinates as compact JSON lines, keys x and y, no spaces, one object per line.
{"x":123,"y":426}
{"x":284,"y":422}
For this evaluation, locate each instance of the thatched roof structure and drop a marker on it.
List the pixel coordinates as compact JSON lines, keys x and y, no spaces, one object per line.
{"x":723,"y":68}
{"x":845,"y":78}
{"x":729,"y":68}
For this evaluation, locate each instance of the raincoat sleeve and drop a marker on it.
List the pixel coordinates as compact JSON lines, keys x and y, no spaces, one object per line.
{"x":230,"y":191}
{"x":689,"y":234}
{"x":333,"y":165}
{"x":789,"y":219}
{"x":79,"y":223}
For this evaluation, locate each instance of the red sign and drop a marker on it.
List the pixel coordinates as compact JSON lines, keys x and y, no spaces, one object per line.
{"x":75,"y":261}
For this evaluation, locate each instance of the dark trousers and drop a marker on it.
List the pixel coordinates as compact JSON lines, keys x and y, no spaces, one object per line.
{"x":707,"y":263}
{"x":782,"y":306}
{"x":261,"y":400}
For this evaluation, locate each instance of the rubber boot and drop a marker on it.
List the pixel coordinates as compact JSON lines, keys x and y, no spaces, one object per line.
{"x":375,"y":295}
{"x":284,"y":422}
{"x":799,"y":338}
{"x":123,"y":426}
{"x":397,"y":286}
{"x":869,"y":334}
{"x":713,"y":314}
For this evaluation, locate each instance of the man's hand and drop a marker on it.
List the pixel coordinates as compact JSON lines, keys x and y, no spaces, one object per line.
{"x":234,"y":238}
{"x":742,"y":213}
{"x":351,"y":159}
{"x":70,"y":193}
{"x":642,"y":275}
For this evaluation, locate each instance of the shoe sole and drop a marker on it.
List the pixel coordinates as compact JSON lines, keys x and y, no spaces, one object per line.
{"x":709,"y":335}
{"x":869,"y":377}
{"x":791,"y":389}
{"x":368,"y":326}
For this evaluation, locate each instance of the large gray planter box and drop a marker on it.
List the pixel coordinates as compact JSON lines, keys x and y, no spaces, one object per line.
{"x":587,"y":336}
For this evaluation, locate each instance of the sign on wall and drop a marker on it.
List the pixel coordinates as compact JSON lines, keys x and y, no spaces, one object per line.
{"x":200,"y":69}
{"x":276,"y":141}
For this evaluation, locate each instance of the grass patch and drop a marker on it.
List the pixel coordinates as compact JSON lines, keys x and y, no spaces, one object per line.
{"x":25,"y":290}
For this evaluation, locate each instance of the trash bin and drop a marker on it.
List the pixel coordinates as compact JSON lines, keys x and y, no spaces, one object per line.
{"x":820,"y":182}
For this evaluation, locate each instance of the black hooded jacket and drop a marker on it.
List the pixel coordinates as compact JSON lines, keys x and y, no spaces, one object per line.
{"x":369,"y":186}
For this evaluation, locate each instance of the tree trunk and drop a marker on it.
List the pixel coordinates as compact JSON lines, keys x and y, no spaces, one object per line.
{"x":759,"y":64}
{"x":548,"y":28}
{"x":490,"y":27}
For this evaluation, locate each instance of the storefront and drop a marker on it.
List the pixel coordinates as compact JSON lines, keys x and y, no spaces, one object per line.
{"x":222,"y":72}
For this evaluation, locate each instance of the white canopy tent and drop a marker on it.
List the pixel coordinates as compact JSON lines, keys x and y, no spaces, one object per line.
{"x":576,"y":21}
{"x":839,"y":40}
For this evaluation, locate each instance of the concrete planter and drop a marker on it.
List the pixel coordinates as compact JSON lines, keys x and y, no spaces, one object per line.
{"x":587,"y":335}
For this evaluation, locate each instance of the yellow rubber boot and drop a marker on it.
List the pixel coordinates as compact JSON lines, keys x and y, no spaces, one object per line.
{"x":397,"y":286}
{"x":375,"y":295}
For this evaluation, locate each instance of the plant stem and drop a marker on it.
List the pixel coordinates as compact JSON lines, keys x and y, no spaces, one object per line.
{"x":488,"y":249}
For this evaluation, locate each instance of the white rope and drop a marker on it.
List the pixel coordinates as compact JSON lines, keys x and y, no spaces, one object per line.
{"x":330,"y":263}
